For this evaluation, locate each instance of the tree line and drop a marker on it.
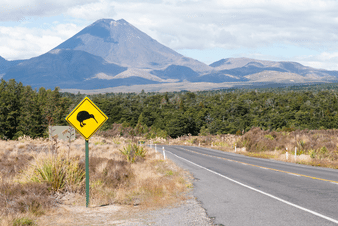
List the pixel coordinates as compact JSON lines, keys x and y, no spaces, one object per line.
{"x":28,"y":112}
{"x":24,"y":111}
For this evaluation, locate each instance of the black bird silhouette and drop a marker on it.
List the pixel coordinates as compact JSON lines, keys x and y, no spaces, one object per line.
{"x":84,"y":115}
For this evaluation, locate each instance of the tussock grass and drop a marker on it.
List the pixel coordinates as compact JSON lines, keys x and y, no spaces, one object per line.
{"x":314,"y":147}
{"x":37,"y":174}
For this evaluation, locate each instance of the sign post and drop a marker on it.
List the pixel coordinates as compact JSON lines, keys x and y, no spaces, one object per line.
{"x":87,"y":173}
{"x":94,"y":118}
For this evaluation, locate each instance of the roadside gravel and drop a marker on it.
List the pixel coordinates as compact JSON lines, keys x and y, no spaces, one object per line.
{"x":189,"y":212}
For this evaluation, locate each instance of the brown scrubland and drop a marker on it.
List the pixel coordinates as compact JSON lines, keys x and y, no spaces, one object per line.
{"x":37,"y":175}
{"x":314,"y":147}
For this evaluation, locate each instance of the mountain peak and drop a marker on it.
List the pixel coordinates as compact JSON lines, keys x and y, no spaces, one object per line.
{"x":121,"y":43}
{"x":110,"y":22}
{"x":2,"y":59}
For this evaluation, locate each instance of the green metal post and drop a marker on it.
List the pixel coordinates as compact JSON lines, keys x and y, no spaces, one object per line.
{"x":87,"y":174}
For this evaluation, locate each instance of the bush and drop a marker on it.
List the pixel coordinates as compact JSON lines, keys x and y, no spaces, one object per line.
{"x":23,"y":221}
{"x":133,"y":153}
{"x":57,"y":172}
{"x":255,"y":140}
{"x":322,"y":153}
{"x":25,"y":198}
{"x":312,"y":154}
{"x":269,"y":137}
{"x":109,"y":173}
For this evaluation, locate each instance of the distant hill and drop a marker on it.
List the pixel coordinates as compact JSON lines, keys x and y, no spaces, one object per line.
{"x":251,"y":68}
{"x":5,"y":65}
{"x":62,"y":68}
{"x":176,"y":72}
{"x":117,"y":57}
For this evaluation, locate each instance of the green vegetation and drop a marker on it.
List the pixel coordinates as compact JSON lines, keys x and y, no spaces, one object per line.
{"x":235,"y":111}
{"x":23,"y":221}
{"x":59,"y":173}
{"x":134,"y":152}
{"x":24,"y":111}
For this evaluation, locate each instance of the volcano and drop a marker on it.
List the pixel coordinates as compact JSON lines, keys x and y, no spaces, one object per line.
{"x":114,"y":56}
{"x":121,"y":43}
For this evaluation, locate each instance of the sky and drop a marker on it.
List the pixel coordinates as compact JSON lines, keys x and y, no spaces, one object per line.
{"x":304,"y":31}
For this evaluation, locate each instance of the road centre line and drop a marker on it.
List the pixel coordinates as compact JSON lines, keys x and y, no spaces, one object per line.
{"x":282,"y":171}
{"x":262,"y":192}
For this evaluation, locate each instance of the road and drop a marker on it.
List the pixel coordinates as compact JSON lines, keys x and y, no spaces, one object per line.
{"x":240,"y":190}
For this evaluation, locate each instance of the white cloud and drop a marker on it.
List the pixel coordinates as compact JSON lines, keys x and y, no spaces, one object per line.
{"x":234,"y":24}
{"x":324,"y":60}
{"x":18,"y":10}
{"x":23,"y":43}
{"x":93,"y":11}
{"x":184,"y":24}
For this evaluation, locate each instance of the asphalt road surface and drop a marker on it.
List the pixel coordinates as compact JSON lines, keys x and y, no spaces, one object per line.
{"x":240,"y":190}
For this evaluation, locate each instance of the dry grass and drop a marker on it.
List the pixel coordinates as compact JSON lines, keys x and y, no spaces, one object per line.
{"x":148,"y":182}
{"x":314,"y":147}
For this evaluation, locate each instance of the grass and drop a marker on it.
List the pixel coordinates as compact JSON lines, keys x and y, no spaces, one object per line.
{"x":36,"y":174}
{"x":260,"y":155}
{"x":314,"y":147}
{"x":23,"y":221}
{"x":134,"y":152}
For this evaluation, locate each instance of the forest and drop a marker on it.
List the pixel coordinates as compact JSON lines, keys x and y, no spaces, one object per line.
{"x":27,"y":111}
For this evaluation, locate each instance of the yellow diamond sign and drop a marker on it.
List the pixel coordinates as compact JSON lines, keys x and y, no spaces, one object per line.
{"x":86,"y":118}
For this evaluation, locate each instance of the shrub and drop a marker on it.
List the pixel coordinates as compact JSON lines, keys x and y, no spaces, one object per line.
{"x":238,"y":133}
{"x":128,"y":152}
{"x":254,"y":140}
{"x":312,"y":154}
{"x":57,"y":172}
{"x":23,"y":221}
{"x":322,"y":153}
{"x":301,"y":145}
{"x":269,"y":137}
{"x":140,"y":151}
{"x":133,"y":152}
{"x":109,"y":173}
{"x":25,"y":198}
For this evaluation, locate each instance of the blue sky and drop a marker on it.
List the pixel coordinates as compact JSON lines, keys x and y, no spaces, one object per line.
{"x":304,"y":31}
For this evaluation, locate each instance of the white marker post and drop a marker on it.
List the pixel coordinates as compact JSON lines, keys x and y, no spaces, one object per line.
{"x":163,"y":152}
{"x":155,"y":148}
{"x":235,"y":148}
{"x":287,"y":155}
{"x":295,"y":154}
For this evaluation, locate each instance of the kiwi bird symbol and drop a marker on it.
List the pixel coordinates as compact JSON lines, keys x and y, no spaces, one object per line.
{"x":84,"y":115}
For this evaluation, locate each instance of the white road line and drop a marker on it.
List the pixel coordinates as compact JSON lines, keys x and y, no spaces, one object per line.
{"x":293,"y":174}
{"x":262,"y":192}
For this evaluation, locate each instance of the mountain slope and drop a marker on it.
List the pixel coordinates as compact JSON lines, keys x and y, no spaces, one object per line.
{"x":60,"y":67}
{"x":121,"y":43}
{"x":243,"y":67}
{"x":176,"y":72}
{"x":111,"y":53}
{"x":3,"y":65}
